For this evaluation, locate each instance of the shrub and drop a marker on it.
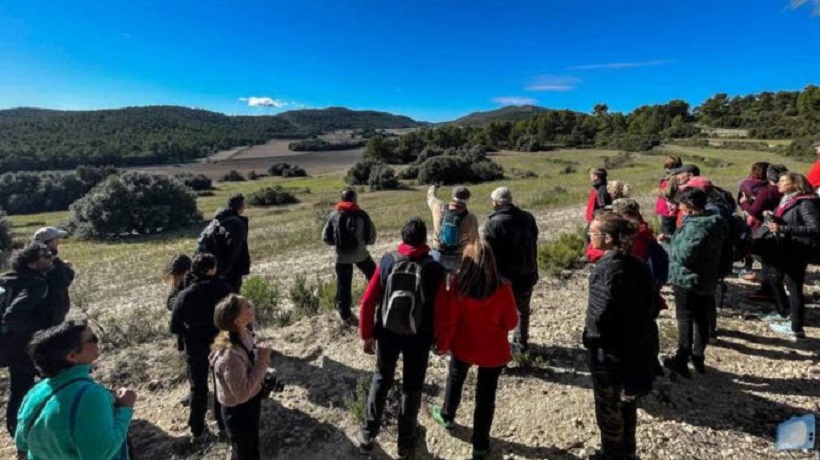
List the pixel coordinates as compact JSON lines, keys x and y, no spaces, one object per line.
{"x":446,"y":170}
{"x":232,"y":176}
{"x":408,"y":173}
{"x":568,"y":169}
{"x":382,"y":177}
{"x":634,"y":143}
{"x":272,"y":196}
{"x":266,"y":298}
{"x":253,"y":175}
{"x":6,"y":239}
{"x":134,"y":203}
{"x":305,"y":299}
{"x":197,"y":183}
{"x":278,"y":168}
{"x":318,"y":145}
{"x":561,"y":253}
{"x":527,"y":143}
{"x":295,"y":171}
{"x":622,"y":160}
{"x":28,"y":192}
{"x":359,"y":174}
{"x":520,"y":174}
{"x":486,"y":171}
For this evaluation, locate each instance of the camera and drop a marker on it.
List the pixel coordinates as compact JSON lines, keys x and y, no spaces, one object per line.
{"x":271,"y":384}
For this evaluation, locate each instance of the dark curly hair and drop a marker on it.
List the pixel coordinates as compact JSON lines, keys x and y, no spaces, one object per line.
{"x":49,"y":347}
{"x":29,"y":254}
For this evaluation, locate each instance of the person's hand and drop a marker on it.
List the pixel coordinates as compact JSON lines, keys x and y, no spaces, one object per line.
{"x":264,"y":351}
{"x":774,"y":227}
{"x":743,"y":198}
{"x":369,"y":346}
{"x":124,"y":397}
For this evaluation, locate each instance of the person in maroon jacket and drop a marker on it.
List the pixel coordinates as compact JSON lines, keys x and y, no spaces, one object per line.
{"x":474,"y":316}
{"x":397,"y":314}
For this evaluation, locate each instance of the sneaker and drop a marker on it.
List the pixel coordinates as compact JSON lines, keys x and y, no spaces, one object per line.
{"x":773,"y":317}
{"x":785,"y":329}
{"x":439,"y":418}
{"x":677,"y":366}
{"x":698,"y":362}
{"x":364,"y":442}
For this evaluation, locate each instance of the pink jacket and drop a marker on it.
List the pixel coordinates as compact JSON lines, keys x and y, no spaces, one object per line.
{"x":237,"y":378}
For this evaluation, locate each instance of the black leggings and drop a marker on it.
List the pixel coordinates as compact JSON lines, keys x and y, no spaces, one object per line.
{"x":242,"y":423}
{"x":794,"y":275}
{"x":486,"y":386}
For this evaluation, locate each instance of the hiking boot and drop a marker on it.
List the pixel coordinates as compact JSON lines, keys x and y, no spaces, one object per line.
{"x":364,"y":442}
{"x":698,"y":362}
{"x":406,"y":449}
{"x":677,"y":366}
{"x":785,"y":329}
{"x":349,"y":320}
{"x":439,"y":418}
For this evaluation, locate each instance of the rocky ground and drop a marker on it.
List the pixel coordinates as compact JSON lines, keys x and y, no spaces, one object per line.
{"x":754,"y":380}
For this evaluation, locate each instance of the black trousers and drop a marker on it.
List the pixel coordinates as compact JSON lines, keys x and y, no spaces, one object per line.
{"x":486,"y":386}
{"x":523,"y":297}
{"x":616,"y":415}
{"x":793,"y":273}
{"x":242,"y":424}
{"x":235,"y":282}
{"x":21,"y":375}
{"x":196,"y":356}
{"x":344,"y":283}
{"x":692,"y":311}
{"x":415,"y":355}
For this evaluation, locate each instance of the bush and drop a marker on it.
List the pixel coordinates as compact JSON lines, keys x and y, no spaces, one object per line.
{"x":409,"y":173}
{"x":382,"y":177}
{"x":295,"y":171}
{"x":486,"y":171}
{"x":28,"y":192}
{"x":568,"y":169}
{"x":272,"y":196}
{"x":232,"y":176}
{"x":527,"y":143}
{"x":634,"y":143}
{"x":134,"y":203}
{"x":197,"y":183}
{"x":253,"y":175}
{"x":305,"y":299}
{"x":6,"y":239}
{"x":561,"y":254}
{"x":448,"y":170}
{"x":622,"y":160}
{"x":319,"y":145}
{"x":359,"y":174}
{"x":278,"y":168}
{"x":266,"y":298}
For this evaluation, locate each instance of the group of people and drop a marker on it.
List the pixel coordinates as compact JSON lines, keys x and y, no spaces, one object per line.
{"x":461,"y":295}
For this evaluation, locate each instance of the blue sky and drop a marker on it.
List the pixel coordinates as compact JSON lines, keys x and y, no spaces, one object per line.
{"x":432,"y":61}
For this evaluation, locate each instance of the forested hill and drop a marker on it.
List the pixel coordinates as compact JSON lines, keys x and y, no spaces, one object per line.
{"x":38,"y":139}
{"x":511,"y":113}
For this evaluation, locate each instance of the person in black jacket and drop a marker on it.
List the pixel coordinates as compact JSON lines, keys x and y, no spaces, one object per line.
{"x":235,"y":261}
{"x":513,"y":236}
{"x":618,"y":335}
{"x":26,"y":314}
{"x":193,"y":320}
{"x":796,"y":221}
{"x":60,"y":276}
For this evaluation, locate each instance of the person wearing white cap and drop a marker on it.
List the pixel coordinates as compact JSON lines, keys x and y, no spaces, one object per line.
{"x":513,"y":236}
{"x":453,"y":226}
{"x":60,"y":276}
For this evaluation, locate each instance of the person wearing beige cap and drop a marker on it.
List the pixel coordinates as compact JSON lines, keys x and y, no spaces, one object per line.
{"x":60,"y":276}
{"x":453,"y":226}
{"x":513,"y":236}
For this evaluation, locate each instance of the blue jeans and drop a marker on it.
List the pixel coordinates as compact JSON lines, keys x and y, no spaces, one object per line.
{"x":450,"y":262}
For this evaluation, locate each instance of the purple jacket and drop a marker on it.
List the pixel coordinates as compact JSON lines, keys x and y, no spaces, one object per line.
{"x":767,"y":199}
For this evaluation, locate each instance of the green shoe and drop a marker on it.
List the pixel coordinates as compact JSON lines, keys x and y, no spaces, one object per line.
{"x":447,"y":424}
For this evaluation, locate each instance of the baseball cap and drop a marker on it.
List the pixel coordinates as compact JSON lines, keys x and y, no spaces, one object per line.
{"x":501,"y":195}
{"x":461,"y":194}
{"x":49,"y":233}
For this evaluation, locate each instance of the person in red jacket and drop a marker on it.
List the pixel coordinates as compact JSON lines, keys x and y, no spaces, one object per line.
{"x":397,"y":313}
{"x":476,"y":312}
{"x":814,"y":172}
{"x":599,"y":197}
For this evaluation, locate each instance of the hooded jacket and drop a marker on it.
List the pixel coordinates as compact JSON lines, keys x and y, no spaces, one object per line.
{"x":432,"y":275}
{"x":694,"y":262}
{"x":78,"y":422}
{"x":193,"y":314}
{"x":236,"y":262}
{"x":238,"y":370}
{"x":599,"y":198}
{"x":513,"y":235}
{"x":29,"y":310}
{"x":59,"y":279}
{"x":365,"y":233}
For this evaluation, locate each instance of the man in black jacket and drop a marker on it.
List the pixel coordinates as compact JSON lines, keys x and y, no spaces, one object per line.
{"x":234,"y":260}
{"x":27,"y":313}
{"x":513,"y":235}
{"x":193,"y":320}
{"x":60,"y":276}
{"x":618,"y":336}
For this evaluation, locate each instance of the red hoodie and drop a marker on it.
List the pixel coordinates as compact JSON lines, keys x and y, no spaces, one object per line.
{"x":373,"y":294}
{"x":814,"y":174}
{"x":347,"y":206}
{"x":475,"y":330}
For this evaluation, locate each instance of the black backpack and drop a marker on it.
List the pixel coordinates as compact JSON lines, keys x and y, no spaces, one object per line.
{"x":402,"y":307}
{"x":214,"y":238}
{"x":346,"y":230}
{"x":526,"y":247}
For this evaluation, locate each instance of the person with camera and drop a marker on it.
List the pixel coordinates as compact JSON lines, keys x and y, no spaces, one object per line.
{"x":240,"y":367}
{"x":193,"y":321}
{"x":68,"y":415}
{"x":397,"y":313}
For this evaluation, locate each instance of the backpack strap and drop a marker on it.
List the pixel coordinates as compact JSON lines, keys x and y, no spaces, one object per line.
{"x":36,"y":413}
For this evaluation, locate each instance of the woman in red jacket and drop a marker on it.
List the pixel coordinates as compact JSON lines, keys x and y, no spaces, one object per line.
{"x":477,"y":312}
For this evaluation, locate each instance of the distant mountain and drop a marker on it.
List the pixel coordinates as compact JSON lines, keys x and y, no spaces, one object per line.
{"x":37,"y":139}
{"x":511,"y":113}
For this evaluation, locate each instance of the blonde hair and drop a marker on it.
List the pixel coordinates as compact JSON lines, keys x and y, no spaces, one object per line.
{"x":225,"y":315}
{"x":478,"y":276}
{"x":618,"y":189}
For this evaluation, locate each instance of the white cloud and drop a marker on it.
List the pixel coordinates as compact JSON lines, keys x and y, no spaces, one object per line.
{"x":254,"y":101}
{"x":512,"y":100}
{"x":619,"y":65}
{"x":553,"y":83}
{"x":125,"y":35}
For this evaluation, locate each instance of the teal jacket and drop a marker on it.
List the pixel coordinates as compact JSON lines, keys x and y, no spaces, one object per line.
{"x":78,"y":422}
{"x":694,"y":255}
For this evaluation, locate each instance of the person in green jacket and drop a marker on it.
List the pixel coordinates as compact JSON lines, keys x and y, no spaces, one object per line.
{"x":693,"y":273}
{"x":68,"y":415}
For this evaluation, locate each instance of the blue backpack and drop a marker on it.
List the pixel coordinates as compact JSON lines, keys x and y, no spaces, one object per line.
{"x":658,"y":261}
{"x":449,"y":236}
